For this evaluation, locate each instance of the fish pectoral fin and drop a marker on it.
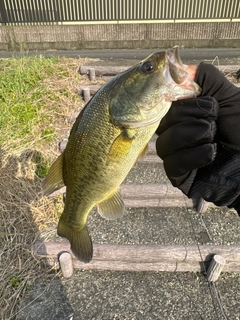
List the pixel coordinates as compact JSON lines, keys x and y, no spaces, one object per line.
{"x":81,"y":242}
{"x":120,"y":147}
{"x":113,"y":207}
{"x":54,"y":178}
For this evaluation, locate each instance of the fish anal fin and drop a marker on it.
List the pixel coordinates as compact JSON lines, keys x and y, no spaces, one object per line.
{"x":80,"y":240}
{"x":54,"y":178}
{"x":112,"y":207}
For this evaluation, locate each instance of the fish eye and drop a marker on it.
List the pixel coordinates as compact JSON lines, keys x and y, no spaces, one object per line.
{"x":148,"y":67}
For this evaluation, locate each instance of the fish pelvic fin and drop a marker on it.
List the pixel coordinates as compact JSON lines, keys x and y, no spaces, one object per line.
{"x":81,"y":242}
{"x":112,"y":207}
{"x":54,"y":178}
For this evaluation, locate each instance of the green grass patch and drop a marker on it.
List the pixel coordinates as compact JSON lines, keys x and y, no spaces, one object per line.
{"x":27,"y":103}
{"x":42,"y":165}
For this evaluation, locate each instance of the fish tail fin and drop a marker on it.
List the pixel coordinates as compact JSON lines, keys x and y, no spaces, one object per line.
{"x":54,"y":178}
{"x":81,"y":242}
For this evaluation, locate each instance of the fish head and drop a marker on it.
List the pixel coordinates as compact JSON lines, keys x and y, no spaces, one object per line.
{"x":143,"y":94}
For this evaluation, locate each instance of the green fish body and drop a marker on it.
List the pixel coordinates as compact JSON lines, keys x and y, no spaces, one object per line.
{"x":109,"y":135}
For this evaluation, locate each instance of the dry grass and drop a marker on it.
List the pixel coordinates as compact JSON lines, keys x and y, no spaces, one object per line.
{"x":18,"y":231}
{"x":24,"y":213}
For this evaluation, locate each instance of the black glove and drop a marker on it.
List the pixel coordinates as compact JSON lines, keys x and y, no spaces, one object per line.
{"x":219,"y":182}
{"x":186,"y":139}
{"x":199,"y":141}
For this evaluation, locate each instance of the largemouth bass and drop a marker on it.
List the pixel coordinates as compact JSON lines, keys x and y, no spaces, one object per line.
{"x":109,"y":135}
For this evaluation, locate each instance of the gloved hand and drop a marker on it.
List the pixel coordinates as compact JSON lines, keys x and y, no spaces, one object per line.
{"x":199,"y":141}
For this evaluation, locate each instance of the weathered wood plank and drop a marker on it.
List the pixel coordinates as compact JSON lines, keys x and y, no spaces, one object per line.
{"x":65,"y":260}
{"x":153,"y":195}
{"x":113,"y":70}
{"x":86,"y":94}
{"x":147,"y":257}
{"x":103,"y":70}
{"x":148,"y":191}
{"x":94,"y":88}
{"x":149,"y":195}
{"x":150,"y":158}
{"x":215,"y":268}
{"x":151,"y":155}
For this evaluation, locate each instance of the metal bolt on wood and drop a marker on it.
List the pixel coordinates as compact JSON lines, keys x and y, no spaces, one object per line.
{"x":66,"y":264}
{"x":215,"y":268}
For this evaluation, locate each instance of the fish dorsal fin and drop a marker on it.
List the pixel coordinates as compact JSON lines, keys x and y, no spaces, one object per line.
{"x":54,"y":178}
{"x":112,"y":207}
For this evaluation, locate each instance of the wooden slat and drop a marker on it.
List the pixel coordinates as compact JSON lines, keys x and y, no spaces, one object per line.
{"x":149,"y":195}
{"x":153,"y":195}
{"x":147,"y":257}
{"x":151,"y":156}
{"x":113,"y":70}
{"x":103,"y":70}
{"x":95,"y":88}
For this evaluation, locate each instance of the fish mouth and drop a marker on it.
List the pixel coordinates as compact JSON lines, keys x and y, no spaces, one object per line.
{"x":177,"y":76}
{"x":177,"y":68}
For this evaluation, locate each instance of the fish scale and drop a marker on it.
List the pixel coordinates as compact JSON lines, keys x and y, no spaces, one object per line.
{"x":108,"y":137}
